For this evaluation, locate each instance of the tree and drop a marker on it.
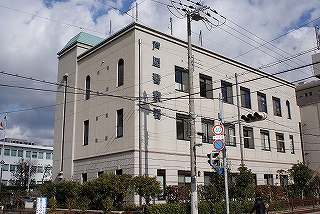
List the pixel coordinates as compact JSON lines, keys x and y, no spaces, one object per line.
{"x":25,"y":171}
{"x":301,"y":175}
{"x":244,"y":183}
{"x":66,"y":190}
{"x":147,"y":187}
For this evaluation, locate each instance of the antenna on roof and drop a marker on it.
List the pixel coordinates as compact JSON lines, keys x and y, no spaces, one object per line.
{"x":136,"y":12}
{"x":110,"y":30}
{"x":170,"y":26}
{"x":200,"y":38}
{"x":317,"y":31}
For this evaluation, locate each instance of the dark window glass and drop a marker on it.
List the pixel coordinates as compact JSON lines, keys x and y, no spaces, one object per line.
{"x":230,"y":134}
{"x":291,"y":144}
{"x":245,"y":97}
{"x":265,"y":140}
{"x":288,"y":109}
{"x":262,"y":102}
{"x":280,"y":142}
{"x":276,"y":106}
{"x":183,"y":127}
{"x":226,"y":91}
{"x":120,"y":123}
{"x":248,"y":137}
{"x":161,"y":177}
{"x":120,"y":72}
{"x":205,"y":86}
{"x":181,"y":79}
{"x":86,"y":132}
{"x":87,"y":88}
{"x":207,"y":130}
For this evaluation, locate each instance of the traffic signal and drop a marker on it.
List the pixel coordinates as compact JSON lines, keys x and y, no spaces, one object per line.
{"x":257,"y":116}
{"x":213,"y":158}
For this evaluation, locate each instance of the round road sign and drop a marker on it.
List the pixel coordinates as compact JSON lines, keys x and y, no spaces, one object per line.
{"x":218,"y":144}
{"x":218,"y":129}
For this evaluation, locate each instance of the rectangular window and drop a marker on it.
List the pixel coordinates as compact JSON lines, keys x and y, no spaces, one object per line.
{"x":161,"y":177}
{"x":84,"y":177}
{"x":248,"y":137}
{"x":226,"y":91}
{"x":48,"y":155}
{"x":100,"y":173}
{"x":280,"y":142}
{"x":12,"y":168}
{"x":288,"y":109}
{"x":20,"y":153}
{"x":265,"y":140}
{"x":120,"y":123}
{"x":205,"y":86}
{"x":40,"y":155}
{"x":284,"y":181}
{"x":276,"y":106}
{"x":268,"y":179}
{"x":34,"y":154}
{"x":13,"y":152}
{"x":86,"y":132}
{"x":206,"y":176}
{"x":5,"y":167}
{"x":230,"y":132}
{"x":28,"y":154}
{"x":183,"y":127}
{"x":119,"y":172}
{"x":181,"y":79}
{"x":40,"y":169}
{"x":262,"y":102}
{"x":245,"y":97}
{"x":6,"y":152}
{"x":207,"y":130}
{"x":184,"y":178}
{"x":291,"y":144}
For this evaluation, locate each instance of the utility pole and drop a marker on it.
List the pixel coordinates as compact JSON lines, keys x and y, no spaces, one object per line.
{"x":239,"y":119}
{"x":195,"y":12}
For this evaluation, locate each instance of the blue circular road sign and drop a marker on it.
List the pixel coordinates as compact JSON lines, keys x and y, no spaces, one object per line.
{"x":218,"y":144}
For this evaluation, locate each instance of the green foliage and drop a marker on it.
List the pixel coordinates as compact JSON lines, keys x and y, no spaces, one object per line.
{"x":66,"y":190}
{"x":208,"y":193}
{"x":177,"y":194}
{"x":107,"y":205}
{"x":52,"y":203}
{"x":168,"y":208}
{"x":147,"y":187}
{"x":47,"y":189}
{"x":301,"y":175}
{"x":271,"y":192}
{"x":244,"y":183}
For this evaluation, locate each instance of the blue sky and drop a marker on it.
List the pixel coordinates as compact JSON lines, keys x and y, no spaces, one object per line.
{"x":33,"y":31}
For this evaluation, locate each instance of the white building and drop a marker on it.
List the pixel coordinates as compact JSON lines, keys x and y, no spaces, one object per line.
{"x":14,"y":150}
{"x":100,"y":129}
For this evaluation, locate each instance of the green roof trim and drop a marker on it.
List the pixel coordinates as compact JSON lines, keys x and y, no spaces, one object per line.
{"x":83,"y":38}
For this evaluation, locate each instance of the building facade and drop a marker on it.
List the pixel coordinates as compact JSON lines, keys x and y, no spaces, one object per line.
{"x":308,"y":100}
{"x":13,"y":151}
{"x":99,"y":126}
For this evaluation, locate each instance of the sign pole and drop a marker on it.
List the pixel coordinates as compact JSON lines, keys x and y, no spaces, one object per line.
{"x":224,"y":154}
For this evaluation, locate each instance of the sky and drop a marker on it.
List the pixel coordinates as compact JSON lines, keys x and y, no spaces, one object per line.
{"x":272,"y":35}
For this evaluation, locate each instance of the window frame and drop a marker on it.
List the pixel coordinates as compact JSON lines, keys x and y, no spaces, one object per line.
{"x":276,"y":106}
{"x":288,"y":109}
{"x":88,"y":87}
{"x":248,"y":141}
{"x":120,"y":73}
{"x":161,"y":177}
{"x":207,"y":125}
{"x":181,"y":79}
{"x":245,"y":97}
{"x":226,"y":91}
{"x":228,"y":127}
{"x":263,"y":134}
{"x":182,"y":126}
{"x":291,"y":144}
{"x":280,"y":142}
{"x":119,"y":123}
{"x":205,"y":84}
{"x":85,"y":132}
{"x":262,"y":102}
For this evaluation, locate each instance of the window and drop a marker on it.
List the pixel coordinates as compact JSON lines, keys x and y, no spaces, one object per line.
{"x":86,"y":132}
{"x":20,"y":153}
{"x":288,"y":109}
{"x":280,"y":142}
{"x":84,"y":177}
{"x":268,"y":179}
{"x":181,"y":79}
{"x":28,"y":154}
{"x":226,"y":91}
{"x":13,"y":152}
{"x":119,"y":172}
{"x":206,"y":176}
{"x":284,"y":180}
{"x":207,"y":130}
{"x":262,"y":102}
{"x":100,"y":173}
{"x":40,"y":169}
{"x":120,"y":72}
{"x":276,"y":106}
{"x":205,"y":86}
{"x":5,"y":167}
{"x":291,"y":144}
{"x":12,"y":168}
{"x":230,"y":132}
{"x":265,"y":140}
{"x":161,"y":177}
{"x":248,"y":137}
{"x":245,"y":97}
{"x":34,"y":154}
{"x":120,"y":123}
{"x":183,"y":127}
{"x":6,"y":152}
{"x":48,"y":155}
{"x":40,"y":155}
{"x":88,"y":90}
{"x":184,"y":178}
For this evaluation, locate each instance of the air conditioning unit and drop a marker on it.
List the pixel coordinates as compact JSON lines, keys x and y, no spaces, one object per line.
{"x":316,"y":64}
